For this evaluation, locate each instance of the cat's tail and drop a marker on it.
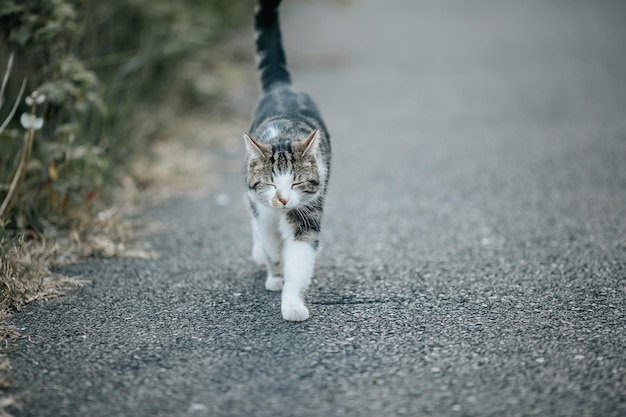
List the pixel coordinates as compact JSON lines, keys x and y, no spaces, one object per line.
{"x":270,"y":56}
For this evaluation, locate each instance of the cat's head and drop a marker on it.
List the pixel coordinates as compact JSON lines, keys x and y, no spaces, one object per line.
{"x":283,"y":174}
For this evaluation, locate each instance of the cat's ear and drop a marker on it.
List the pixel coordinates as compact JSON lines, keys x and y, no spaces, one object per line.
{"x":311,"y":143}
{"x":255,"y":149}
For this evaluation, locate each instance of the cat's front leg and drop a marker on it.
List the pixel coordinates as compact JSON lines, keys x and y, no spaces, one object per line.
{"x":299,"y":262}
{"x":270,"y":244}
{"x":258,"y":253}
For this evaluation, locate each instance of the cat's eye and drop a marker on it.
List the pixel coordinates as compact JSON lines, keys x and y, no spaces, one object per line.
{"x":306,"y":184}
{"x":260,"y":184}
{"x":301,"y":184}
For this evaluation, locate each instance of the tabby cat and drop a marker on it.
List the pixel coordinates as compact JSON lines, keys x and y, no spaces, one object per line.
{"x":288,"y":163}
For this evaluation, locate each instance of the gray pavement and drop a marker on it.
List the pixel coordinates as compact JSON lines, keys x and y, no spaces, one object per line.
{"x":474,"y":245}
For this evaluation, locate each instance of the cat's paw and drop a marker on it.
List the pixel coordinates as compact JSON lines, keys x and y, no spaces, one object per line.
{"x":274,"y":283}
{"x":294,"y":311}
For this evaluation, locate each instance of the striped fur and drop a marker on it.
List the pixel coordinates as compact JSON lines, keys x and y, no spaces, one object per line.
{"x":270,"y":56}
{"x":288,"y":166}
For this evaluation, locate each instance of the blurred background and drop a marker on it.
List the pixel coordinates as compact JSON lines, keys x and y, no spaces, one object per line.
{"x":115,"y":75}
{"x":474,"y":224}
{"x":89,"y":90}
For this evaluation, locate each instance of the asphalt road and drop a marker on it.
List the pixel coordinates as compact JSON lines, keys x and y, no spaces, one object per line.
{"x":474,"y":244}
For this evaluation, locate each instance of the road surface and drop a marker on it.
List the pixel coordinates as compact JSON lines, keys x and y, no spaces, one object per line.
{"x":473,"y":258}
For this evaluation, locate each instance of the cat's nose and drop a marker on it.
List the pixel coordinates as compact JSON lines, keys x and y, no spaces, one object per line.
{"x":280,"y":198}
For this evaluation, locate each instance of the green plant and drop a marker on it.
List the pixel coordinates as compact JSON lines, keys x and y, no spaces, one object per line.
{"x":31,"y":123}
{"x":51,"y":178}
{"x":106,"y":69}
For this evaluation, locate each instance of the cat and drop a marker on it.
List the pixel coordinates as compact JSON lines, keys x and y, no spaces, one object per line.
{"x":288,"y":165}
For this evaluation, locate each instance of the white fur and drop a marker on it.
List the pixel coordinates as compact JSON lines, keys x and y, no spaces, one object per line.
{"x":290,"y":263}
{"x":299,"y":263}
{"x":258,"y":254}
{"x":259,"y":57}
{"x":271,"y":132}
{"x":270,"y":246}
{"x":283,"y":188}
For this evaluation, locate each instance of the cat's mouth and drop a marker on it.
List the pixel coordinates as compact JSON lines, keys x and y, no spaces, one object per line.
{"x":280,"y":206}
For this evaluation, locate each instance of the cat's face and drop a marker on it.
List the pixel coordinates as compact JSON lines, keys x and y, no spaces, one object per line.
{"x":283,"y":175}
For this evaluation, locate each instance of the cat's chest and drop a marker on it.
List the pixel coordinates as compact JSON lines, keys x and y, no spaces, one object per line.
{"x":278,"y":220}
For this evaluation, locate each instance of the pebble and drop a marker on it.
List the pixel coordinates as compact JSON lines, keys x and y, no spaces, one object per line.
{"x":197,"y":407}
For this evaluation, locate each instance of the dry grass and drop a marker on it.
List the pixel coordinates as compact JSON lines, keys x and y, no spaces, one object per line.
{"x":7,"y":402}
{"x":26,"y":276}
{"x":27,"y":260}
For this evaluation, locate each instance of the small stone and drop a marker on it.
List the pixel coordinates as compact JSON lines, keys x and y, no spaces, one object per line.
{"x":579,"y":357}
{"x":540,"y":360}
{"x":197,"y":407}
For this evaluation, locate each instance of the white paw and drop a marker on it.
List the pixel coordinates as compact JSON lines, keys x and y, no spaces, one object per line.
{"x":274,"y":284}
{"x":294,"y":311}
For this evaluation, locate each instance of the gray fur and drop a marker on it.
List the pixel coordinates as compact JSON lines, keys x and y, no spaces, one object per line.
{"x":283,"y":119}
{"x":287,"y":171}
